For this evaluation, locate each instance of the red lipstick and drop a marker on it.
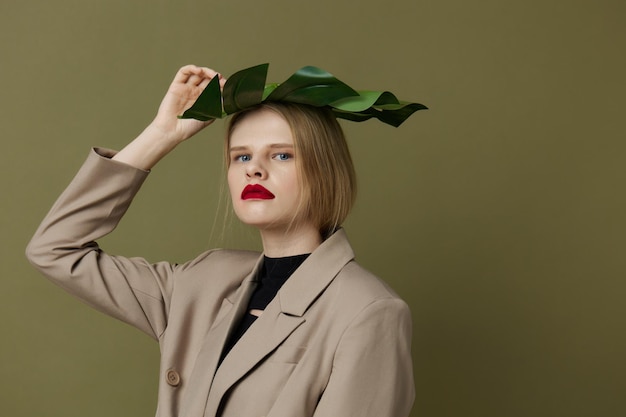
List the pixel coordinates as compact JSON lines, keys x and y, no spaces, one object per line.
{"x":256,"y":192}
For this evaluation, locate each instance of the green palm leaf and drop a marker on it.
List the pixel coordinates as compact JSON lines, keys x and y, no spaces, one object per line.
{"x":208,"y":105}
{"x":245,"y":88}
{"x":312,"y":86}
{"x":309,"y":85}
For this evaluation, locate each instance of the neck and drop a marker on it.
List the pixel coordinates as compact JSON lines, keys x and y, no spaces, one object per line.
{"x":280,"y":243}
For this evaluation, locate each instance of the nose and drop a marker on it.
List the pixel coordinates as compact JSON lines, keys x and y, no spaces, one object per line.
{"x":255,"y":170}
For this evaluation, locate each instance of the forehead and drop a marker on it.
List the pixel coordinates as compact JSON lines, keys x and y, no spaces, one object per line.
{"x":262,"y":127}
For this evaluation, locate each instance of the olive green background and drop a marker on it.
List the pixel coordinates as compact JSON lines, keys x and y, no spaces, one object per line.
{"x":498,"y":214}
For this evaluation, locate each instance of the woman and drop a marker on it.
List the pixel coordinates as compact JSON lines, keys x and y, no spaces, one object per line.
{"x":301,"y":330}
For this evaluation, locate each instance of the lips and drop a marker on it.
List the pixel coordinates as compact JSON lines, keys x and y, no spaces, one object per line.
{"x":256,"y":192}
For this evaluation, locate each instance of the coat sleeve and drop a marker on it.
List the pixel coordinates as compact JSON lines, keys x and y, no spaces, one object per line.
{"x":372,"y":373}
{"x":64,"y":248}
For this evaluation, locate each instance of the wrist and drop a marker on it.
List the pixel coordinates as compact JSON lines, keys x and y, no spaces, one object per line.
{"x":161,"y":135}
{"x":148,"y":148}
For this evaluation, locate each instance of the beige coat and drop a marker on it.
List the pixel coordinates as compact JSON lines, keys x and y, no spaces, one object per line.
{"x":335,"y":342}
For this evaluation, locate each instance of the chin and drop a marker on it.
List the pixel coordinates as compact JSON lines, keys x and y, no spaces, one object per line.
{"x":258,"y":222}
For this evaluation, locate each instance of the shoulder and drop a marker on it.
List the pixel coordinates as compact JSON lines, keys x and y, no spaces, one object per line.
{"x":210,"y":277}
{"x":224,"y":265}
{"x":363,"y":283}
{"x":350,"y":286}
{"x":226,"y":259}
{"x":363,"y":293}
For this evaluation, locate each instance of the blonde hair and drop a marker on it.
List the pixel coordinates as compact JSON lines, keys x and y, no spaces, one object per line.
{"x":324,"y":165}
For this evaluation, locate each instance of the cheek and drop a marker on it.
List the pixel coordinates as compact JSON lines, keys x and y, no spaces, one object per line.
{"x":298,"y":195}
{"x":295,"y":188}
{"x":232,"y":185}
{"x":290,"y":178}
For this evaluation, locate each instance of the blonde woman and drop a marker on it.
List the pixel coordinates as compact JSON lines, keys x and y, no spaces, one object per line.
{"x":299,"y":330}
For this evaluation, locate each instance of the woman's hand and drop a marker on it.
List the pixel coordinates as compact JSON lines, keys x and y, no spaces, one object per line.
{"x":167,"y":130}
{"x":187,"y":85}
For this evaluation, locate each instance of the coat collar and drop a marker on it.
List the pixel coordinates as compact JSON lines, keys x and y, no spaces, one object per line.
{"x":281,"y":317}
{"x":315,"y":274}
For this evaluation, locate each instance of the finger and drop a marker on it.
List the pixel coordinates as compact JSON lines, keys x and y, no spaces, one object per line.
{"x":208,"y":72}
{"x":195,"y":79}
{"x":196,"y":76}
{"x":204,"y":83}
{"x":211,"y":73}
{"x":204,"y":73}
{"x":183,"y":74}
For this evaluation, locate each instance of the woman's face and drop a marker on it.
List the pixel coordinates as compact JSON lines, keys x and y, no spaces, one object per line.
{"x":262,"y":175}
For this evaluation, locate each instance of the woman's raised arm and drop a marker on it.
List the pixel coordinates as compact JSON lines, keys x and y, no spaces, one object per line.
{"x":166,"y":131}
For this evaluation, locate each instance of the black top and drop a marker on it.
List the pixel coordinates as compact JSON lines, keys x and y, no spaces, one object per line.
{"x":273,"y":274}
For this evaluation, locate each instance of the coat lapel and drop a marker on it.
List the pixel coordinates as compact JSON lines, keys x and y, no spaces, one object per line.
{"x":207,"y":361}
{"x":281,"y":317}
{"x":265,"y":335}
{"x":315,"y":274}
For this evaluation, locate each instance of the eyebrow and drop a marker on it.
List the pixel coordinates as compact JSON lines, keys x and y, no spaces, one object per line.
{"x":272,"y":146}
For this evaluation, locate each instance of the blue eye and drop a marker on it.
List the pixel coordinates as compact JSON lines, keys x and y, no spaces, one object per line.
{"x":283,"y":156}
{"x":242,"y":158}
